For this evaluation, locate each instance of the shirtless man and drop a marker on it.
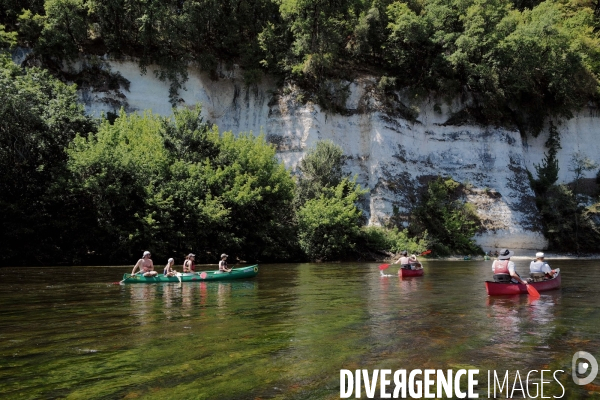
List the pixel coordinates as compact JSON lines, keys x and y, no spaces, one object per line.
{"x":145,"y":265}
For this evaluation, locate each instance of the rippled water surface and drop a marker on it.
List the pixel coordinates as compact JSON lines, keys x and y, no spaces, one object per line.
{"x":71,"y":333}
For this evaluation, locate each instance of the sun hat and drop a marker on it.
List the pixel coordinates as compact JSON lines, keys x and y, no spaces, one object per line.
{"x":224,"y":255}
{"x":413,"y":257}
{"x":505,"y":254}
{"x":146,"y":253}
{"x":539,"y":254}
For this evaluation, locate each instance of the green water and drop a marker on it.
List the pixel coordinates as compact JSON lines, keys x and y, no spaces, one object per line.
{"x":70,"y":333}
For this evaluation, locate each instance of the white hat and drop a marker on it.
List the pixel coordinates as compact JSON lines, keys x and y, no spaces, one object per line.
{"x":505,"y":254}
{"x":146,"y":253}
{"x":170,"y":260}
{"x":539,"y":255}
{"x":224,"y":255}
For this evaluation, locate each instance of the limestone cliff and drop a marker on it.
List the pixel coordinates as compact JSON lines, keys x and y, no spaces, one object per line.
{"x":391,"y":155}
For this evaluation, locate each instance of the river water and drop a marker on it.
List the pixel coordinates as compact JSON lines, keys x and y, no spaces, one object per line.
{"x":286,"y":334}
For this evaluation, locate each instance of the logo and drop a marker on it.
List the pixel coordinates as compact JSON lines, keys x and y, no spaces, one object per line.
{"x":580,"y":368}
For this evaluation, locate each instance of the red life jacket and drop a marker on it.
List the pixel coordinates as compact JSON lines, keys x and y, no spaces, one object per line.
{"x":501,"y":267}
{"x":191,"y":265}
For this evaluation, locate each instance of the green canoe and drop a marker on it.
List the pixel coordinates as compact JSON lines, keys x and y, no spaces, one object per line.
{"x":236,"y":273}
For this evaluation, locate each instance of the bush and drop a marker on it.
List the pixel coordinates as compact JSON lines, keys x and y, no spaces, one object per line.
{"x":451,"y":222}
{"x":328,"y":227}
{"x":392,"y":240}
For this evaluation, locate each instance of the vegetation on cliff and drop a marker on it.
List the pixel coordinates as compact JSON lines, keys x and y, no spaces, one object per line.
{"x":570,"y":213}
{"x":514,"y":61}
{"x":78,"y":190}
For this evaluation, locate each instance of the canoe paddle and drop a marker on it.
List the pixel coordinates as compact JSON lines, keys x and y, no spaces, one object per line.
{"x":533,"y":291}
{"x":118,"y":283}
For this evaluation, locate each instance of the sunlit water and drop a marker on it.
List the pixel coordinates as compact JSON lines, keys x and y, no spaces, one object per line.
{"x":71,"y":333}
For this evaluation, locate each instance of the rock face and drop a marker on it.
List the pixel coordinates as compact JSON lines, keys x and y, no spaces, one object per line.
{"x":390,"y":154}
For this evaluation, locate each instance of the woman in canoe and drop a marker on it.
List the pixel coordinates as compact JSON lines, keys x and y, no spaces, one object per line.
{"x":188,"y":265}
{"x":223,"y":265}
{"x":169,"y":271}
{"x":504,"y":269}
{"x":145,"y":265}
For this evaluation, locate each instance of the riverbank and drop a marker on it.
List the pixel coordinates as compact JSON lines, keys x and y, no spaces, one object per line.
{"x":526,"y":255}
{"x":519,"y":255}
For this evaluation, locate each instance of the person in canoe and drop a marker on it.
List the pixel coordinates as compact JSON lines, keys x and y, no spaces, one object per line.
{"x":169,"y":271}
{"x":414,"y":263}
{"x":188,"y":265}
{"x":145,"y":265}
{"x":504,"y":269}
{"x":404,"y":261}
{"x":539,"y":269}
{"x":223,"y":265}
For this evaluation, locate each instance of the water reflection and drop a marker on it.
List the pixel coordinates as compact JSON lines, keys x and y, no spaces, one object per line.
{"x":142,"y":303}
{"x":284,"y":334}
{"x":223,"y":293}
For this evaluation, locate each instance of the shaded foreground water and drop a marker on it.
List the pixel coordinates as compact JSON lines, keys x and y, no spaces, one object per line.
{"x":70,"y":333}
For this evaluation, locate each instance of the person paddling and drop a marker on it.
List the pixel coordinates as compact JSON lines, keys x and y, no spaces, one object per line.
{"x":404,"y":261}
{"x":223,"y":265}
{"x":145,"y":265}
{"x":504,"y":269}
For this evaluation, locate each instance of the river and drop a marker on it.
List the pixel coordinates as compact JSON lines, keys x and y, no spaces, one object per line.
{"x":286,"y":334}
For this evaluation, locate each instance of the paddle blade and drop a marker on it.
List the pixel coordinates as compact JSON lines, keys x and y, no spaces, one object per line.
{"x":533,"y":292}
{"x":425,"y":252}
{"x":383,"y":266}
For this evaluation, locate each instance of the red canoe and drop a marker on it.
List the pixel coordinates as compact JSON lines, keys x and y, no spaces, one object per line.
{"x":498,"y":289}
{"x":410,"y":272}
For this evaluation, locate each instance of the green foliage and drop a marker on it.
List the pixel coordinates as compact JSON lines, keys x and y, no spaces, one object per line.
{"x":450,"y":221}
{"x":11,"y":9}
{"x":517,"y":62}
{"x":547,"y":170}
{"x":393,"y":240}
{"x":568,"y":226}
{"x":177,"y":185}
{"x":326,"y":212}
{"x":39,"y":116}
{"x":65,"y":29}
{"x":7,"y":39}
{"x":329,"y":226}
{"x":320,"y":169}
{"x":579,"y":164}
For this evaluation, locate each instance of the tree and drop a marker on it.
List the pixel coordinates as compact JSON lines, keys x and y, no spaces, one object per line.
{"x":449,"y":220}
{"x":547,"y":170}
{"x":326,"y":204}
{"x":329,"y":226}
{"x":178,"y":185}
{"x":39,"y":116}
{"x":579,"y":164}
{"x":320,"y":169}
